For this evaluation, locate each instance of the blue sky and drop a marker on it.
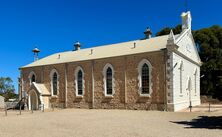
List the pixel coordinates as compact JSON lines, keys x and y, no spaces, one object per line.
{"x":54,"y":25}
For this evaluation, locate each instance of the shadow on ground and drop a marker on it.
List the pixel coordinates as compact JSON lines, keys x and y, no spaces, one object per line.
{"x":208,"y":122}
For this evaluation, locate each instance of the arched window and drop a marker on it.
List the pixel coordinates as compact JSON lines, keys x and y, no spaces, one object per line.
{"x":109,"y":83}
{"x":79,"y":81}
{"x":195,"y":81}
{"x":145,"y":79}
{"x":108,"y":80}
{"x":181,"y":77}
{"x":54,"y":82}
{"x":32,"y":77}
{"x":145,"y":84}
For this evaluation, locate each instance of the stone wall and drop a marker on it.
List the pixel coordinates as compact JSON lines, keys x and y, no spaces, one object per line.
{"x":126,"y":82}
{"x":72,"y":99}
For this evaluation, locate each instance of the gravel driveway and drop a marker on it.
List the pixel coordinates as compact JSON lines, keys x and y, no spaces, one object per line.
{"x":110,"y":123}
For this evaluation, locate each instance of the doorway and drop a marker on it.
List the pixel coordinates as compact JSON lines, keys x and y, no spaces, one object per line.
{"x":34,"y":103}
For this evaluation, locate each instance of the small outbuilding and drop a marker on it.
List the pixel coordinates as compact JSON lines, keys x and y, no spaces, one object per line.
{"x":2,"y":102}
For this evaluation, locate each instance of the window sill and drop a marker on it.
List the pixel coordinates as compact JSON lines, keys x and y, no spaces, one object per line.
{"x":109,"y":96}
{"x":54,"y":96}
{"x":145,"y":95}
{"x":79,"y":96}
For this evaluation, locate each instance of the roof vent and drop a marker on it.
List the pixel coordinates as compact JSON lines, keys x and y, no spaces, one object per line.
{"x":36,"y":52}
{"x":77,"y":46}
{"x":147,"y":33}
{"x":91,"y":52}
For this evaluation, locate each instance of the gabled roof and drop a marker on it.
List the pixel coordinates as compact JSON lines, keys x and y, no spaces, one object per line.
{"x":187,"y":33}
{"x":113,"y":50}
{"x":41,"y":88}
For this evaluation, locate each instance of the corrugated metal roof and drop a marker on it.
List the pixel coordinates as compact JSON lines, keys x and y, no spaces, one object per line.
{"x":113,"y":50}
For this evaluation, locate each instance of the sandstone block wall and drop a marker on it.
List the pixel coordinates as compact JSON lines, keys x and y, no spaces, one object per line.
{"x":126,"y":82}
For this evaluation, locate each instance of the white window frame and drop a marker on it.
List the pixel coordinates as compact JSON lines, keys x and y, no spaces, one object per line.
{"x":51,"y":83}
{"x":140,"y":65}
{"x":195,"y":81}
{"x":181,"y":77}
{"x":30,"y":77}
{"x":108,"y":65}
{"x":76,"y":81}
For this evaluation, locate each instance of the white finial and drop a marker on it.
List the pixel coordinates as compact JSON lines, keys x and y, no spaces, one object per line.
{"x":171,"y":38}
{"x":186,"y":20}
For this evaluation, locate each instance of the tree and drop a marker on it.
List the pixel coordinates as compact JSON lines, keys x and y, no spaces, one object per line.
{"x":165,"y":31}
{"x":6,"y":88}
{"x":209,"y":40}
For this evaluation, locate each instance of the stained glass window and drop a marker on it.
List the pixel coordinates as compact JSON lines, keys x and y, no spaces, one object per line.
{"x":55,"y":83}
{"x":145,"y":79}
{"x":109,"y":84}
{"x":33,"y":78}
{"x":80,"y":83}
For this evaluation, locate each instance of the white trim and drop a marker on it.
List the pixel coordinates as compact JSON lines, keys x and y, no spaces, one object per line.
{"x":142,"y":62}
{"x":51,"y":83}
{"x":187,"y":58}
{"x":195,"y":71}
{"x":108,"y":65}
{"x":30,"y":77}
{"x":189,"y":83}
{"x":189,"y":89}
{"x":195,"y":81}
{"x":181,"y":68}
{"x":76,"y":81}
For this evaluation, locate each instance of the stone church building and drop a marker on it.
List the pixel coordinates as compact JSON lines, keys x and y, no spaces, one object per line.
{"x":158,"y":73}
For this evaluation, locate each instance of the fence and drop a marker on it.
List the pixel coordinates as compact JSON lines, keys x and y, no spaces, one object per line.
{"x":209,"y":106}
{"x":9,"y":108}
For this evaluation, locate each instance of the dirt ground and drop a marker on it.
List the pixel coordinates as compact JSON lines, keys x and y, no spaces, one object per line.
{"x":110,"y":123}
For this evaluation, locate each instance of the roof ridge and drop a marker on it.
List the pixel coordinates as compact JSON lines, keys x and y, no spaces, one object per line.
{"x":104,"y":51}
{"x":106,"y":45}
